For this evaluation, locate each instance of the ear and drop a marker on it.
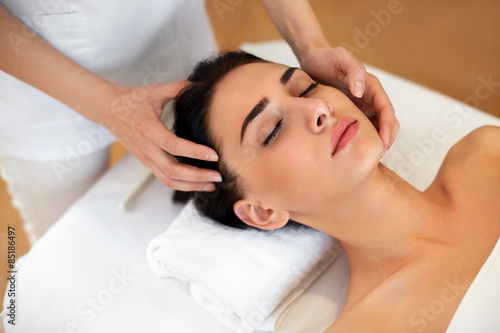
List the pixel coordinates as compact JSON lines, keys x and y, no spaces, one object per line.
{"x":259,"y":217}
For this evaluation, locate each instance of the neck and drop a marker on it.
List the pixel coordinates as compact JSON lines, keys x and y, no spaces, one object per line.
{"x":390,"y":224}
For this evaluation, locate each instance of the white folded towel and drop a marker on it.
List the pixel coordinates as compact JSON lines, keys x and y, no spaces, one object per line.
{"x":245,"y":278}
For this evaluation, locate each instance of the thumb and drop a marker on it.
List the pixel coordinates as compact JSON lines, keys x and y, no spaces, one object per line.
{"x":168,"y":91}
{"x":356,"y":76}
{"x":355,"y":73}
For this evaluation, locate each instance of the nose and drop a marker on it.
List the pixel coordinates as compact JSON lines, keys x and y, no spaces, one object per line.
{"x":317,"y":114}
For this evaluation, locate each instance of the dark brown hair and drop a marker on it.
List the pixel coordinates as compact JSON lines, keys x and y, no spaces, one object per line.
{"x":191,"y":123}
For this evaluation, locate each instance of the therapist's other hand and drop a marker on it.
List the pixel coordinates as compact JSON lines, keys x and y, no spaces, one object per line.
{"x":338,"y":67}
{"x":134,"y":119}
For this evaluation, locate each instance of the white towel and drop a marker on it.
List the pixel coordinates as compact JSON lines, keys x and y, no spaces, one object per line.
{"x":245,"y":278}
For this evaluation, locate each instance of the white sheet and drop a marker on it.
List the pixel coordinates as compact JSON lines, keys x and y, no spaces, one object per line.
{"x":481,"y":300}
{"x":89,"y":272}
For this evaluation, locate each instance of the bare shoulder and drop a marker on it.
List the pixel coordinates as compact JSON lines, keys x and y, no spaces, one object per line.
{"x":470,"y":176}
{"x":484,"y":140}
{"x":476,"y":156}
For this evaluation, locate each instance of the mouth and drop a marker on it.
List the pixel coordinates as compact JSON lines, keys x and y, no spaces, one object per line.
{"x":343,"y":134}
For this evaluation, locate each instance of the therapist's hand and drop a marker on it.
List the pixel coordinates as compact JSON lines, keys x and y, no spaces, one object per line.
{"x":134,"y":119}
{"x":338,"y":67}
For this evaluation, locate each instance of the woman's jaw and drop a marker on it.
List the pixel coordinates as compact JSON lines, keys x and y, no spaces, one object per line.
{"x":300,"y":151}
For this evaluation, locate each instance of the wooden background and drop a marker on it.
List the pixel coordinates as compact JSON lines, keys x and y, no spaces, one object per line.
{"x":452,"y":46}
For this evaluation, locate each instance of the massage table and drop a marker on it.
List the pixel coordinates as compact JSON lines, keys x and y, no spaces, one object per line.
{"x":89,"y":273}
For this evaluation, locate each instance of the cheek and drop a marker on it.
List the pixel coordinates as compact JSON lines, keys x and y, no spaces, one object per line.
{"x":288,"y":176}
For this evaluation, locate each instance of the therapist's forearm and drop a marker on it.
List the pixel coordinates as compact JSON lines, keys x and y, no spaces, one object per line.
{"x":297,"y":23}
{"x":31,"y":59}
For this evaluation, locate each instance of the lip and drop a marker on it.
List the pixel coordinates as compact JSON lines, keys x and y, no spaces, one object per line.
{"x":343,"y":134}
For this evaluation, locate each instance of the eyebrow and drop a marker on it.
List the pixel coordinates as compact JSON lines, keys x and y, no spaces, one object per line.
{"x":264,"y":102}
{"x":287,"y":75}
{"x":257,"y":109}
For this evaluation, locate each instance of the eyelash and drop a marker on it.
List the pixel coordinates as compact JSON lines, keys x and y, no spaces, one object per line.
{"x":311,"y":87}
{"x":270,"y":139}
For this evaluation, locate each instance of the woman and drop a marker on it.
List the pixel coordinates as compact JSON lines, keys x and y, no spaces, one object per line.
{"x":291,"y":149}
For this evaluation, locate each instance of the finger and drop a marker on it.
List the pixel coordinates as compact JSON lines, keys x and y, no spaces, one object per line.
{"x":394,"y":133}
{"x":355,"y":73}
{"x":173,"y":88}
{"x":386,"y":126}
{"x":377,"y":97}
{"x":176,"y":146}
{"x":182,"y":185}
{"x":169,"y":91}
{"x":170,"y":171}
{"x":153,"y":130}
{"x":179,"y":171}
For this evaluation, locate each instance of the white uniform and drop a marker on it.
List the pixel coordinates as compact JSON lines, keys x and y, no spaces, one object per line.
{"x":128,"y":42}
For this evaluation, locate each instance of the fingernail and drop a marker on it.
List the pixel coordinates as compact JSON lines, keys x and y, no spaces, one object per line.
{"x":358,"y":89}
{"x":212,"y":157}
{"x":385,"y":151}
{"x":216,"y":179}
{"x":209,"y":188}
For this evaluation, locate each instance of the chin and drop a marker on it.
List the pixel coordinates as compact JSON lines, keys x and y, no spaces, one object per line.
{"x":366,"y":154}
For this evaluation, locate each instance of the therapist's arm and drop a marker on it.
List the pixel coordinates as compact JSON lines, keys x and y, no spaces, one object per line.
{"x":132,"y":114}
{"x":297,"y":23}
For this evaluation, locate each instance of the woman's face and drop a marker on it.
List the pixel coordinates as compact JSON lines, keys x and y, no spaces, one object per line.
{"x":293,"y":145}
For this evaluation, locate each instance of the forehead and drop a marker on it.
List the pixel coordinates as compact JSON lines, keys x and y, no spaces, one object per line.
{"x":255,"y":71}
{"x":237,"y":93}
{"x":247,"y":84}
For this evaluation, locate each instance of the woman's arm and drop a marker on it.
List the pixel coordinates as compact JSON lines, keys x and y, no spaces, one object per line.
{"x":296,"y":22}
{"x":132,"y":114}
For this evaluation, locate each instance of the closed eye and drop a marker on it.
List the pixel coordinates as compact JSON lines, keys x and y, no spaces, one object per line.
{"x":272,"y":137}
{"x":311,"y":87}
